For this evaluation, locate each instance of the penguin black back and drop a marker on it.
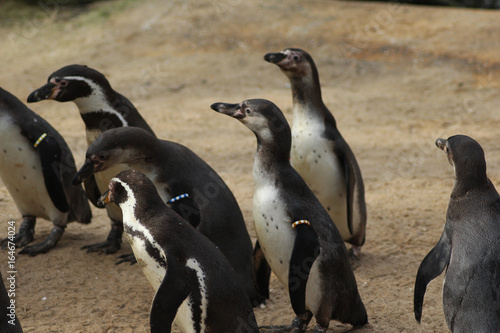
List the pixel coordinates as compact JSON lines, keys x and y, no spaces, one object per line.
{"x":468,"y":247}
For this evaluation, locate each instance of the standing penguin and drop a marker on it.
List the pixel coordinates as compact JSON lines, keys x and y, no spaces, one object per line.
{"x":319,"y":152}
{"x":101,"y":108}
{"x":296,"y":234}
{"x":469,"y":246}
{"x":190,"y":186}
{"x":36,"y":167}
{"x":195,"y":286}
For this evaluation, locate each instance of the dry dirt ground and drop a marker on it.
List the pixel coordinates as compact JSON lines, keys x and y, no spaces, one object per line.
{"x":396,"y":78}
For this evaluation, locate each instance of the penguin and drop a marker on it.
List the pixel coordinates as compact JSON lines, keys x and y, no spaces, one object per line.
{"x":296,"y":234}
{"x":468,"y":247}
{"x":36,"y":167}
{"x":187,"y":183}
{"x":9,"y":323}
{"x":101,"y":108}
{"x":195,"y":285}
{"x":319,"y":152}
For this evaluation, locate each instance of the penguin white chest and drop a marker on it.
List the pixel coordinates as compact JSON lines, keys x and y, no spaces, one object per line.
{"x":273,"y":228}
{"x":21,"y":173}
{"x":314,"y":159}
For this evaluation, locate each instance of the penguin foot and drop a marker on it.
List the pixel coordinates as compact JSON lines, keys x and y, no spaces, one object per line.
{"x":24,"y":236}
{"x":355,"y":252}
{"x":127,"y":258}
{"x":111,"y":245}
{"x":43,"y":247}
{"x":297,"y":326}
{"x":107,"y":247}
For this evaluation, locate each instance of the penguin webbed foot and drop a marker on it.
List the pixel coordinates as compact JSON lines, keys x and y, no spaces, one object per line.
{"x":297,"y":326}
{"x":25,"y":235}
{"x":129,"y":257}
{"x":355,"y":252}
{"x":44,"y":246}
{"x":111,"y":245}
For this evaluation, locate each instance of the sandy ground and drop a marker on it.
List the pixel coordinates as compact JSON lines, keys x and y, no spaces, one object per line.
{"x":395,"y":77}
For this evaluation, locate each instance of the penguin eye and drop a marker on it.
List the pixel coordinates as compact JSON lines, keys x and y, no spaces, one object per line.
{"x":64,"y":83}
{"x":248,"y":111}
{"x":296,"y":57}
{"x":103,"y":157}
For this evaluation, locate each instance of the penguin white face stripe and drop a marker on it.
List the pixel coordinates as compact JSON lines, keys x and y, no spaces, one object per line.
{"x":128,"y":209}
{"x":195,"y":265}
{"x":96,"y":101}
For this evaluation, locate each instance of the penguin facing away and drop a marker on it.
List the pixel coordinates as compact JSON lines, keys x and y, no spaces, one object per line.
{"x":101,"y":108}
{"x":36,"y":167}
{"x":319,"y":152}
{"x":198,"y":290}
{"x":468,"y":247}
{"x":207,"y":203}
{"x":296,"y":234}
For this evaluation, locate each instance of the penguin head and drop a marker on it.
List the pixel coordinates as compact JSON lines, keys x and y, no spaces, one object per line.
{"x":70,"y":83}
{"x":266,"y":121}
{"x":261,"y":116}
{"x":295,"y":63}
{"x":130,"y":188}
{"x":467,"y":158}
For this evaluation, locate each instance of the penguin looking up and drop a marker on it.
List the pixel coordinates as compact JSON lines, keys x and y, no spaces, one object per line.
{"x":319,"y":152}
{"x":203,"y":198}
{"x":197,"y":288}
{"x":101,"y":108}
{"x":36,"y":167}
{"x":297,"y":236}
{"x":468,"y":248}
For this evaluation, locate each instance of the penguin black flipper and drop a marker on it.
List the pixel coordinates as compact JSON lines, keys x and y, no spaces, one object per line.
{"x":349,"y":177}
{"x":173,"y":290}
{"x":50,"y":153}
{"x":433,"y":264}
{"x":261,"y":273}
{"x":304,"y":253}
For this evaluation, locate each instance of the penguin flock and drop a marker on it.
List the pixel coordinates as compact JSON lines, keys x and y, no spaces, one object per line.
{"x":187,"y":231}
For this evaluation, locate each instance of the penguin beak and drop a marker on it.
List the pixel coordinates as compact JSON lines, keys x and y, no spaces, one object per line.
{"x":104,"y":199}
{"x":233,"y":110}
{"x":275,"y":58}
{"x":441,"y":144}
{"x":84,"y":173}
{"x":48,"y":91}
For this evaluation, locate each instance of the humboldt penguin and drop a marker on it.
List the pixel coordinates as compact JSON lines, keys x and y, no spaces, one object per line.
{"x":36,"y":167}
{"x":196,"y":288}
{"x":319,"y":152}
{"x":296,"y":234}
{"x":187,"y":183}
{"x":101,"y":108}
{"x":468,"y":248}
